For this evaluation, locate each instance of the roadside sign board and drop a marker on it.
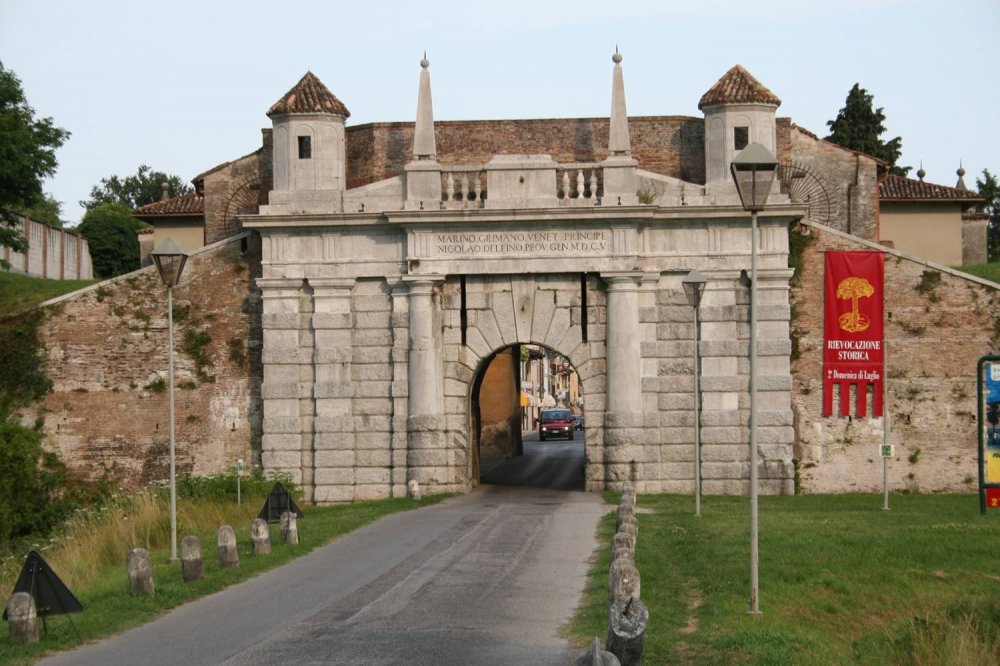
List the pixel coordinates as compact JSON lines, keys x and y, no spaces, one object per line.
{"x":988,"y":394}
{"x":887,"y":450}
{"x":993,"y":498}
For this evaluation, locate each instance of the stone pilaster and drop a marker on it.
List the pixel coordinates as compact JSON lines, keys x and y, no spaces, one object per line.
{"x":399,"y":322}
{"x":623,"y":431}
{"x":427,"y":455}
{"x":333,"y":430}
{"x":281,"y":441}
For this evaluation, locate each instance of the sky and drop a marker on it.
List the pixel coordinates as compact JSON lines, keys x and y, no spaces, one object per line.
{"x":185,"y":85}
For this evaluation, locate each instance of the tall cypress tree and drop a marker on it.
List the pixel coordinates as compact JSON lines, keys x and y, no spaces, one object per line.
{"x":989,"y":189}
{"x":859,"y":126}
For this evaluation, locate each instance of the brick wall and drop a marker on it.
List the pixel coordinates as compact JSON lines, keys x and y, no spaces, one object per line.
{"x":849,"y":179}
{"x":934,"y":339}
{"x":669,"y":145}
{"x":106,"y":350}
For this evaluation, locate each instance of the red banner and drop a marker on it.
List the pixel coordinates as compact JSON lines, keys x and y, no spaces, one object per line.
{"x":854,"y":345}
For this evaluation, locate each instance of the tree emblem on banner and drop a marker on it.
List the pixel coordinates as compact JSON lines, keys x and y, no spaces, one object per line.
{"x":854,"y":289}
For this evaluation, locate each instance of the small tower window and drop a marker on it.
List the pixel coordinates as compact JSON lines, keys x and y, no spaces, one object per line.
{"x":741,"y":137}
{"x":305,"y":148}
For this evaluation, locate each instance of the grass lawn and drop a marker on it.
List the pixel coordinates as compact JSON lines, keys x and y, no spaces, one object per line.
{"x":841,"y":581}
{"x":987,"y":271}
{"x":110,"y":609}
{"x":18,"y":292}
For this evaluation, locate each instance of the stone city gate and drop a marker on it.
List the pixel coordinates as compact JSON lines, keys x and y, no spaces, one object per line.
{"x":380,"y":302}
{"x":374,"y":335}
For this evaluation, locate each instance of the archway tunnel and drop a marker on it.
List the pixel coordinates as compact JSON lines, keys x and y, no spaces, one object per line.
{"x":527,"y":420}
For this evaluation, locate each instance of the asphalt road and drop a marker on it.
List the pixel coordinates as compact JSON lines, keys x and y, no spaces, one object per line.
{"x":487,"y":578}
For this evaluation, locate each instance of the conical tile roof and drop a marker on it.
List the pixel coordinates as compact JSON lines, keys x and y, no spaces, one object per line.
{"x":738,"y":86}
{"x":309,"y":95}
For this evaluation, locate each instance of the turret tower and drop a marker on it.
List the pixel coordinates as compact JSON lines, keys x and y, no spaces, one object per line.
{"x":309,"y":150}
{"x":738,"y":111}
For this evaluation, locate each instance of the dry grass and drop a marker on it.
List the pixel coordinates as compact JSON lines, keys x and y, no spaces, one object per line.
{"x":94,"y":538}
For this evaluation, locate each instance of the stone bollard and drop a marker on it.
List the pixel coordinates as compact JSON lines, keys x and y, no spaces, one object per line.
{"x":623,"y":580}
{"x":140,"y":572}
{"x":623,"y":552}
{"x":631,"y":529}
{"x":289,"y":528}
{"x":622,"y":540}
{"x":627,"y":499}
{"x":192,"y":567}
{"x":413,"y":489}
{"x":225,"y":538}
{"x":627,"y":623}
{"x":624,"y":514}
{"x":596,"y":656}
{"x":22,"y":618}
{"x":260,"y":537}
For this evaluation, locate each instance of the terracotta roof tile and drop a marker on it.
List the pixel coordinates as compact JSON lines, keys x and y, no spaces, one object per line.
{"x":309,"y":95}
{"x":897,"y":188}
{"x":738,"y":86}
{"x":186,"y":204}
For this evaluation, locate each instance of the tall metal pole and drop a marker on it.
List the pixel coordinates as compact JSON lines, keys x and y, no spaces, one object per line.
{"x":885,"y":424}
{"x":170,"y":409}
{"x":754,"y":527}
{"x":697,"y":415}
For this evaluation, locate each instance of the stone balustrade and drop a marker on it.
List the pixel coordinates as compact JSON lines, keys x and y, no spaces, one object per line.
{"x":463,"y":186}
{"x":578,"y":183}
{"x":466,"y":186}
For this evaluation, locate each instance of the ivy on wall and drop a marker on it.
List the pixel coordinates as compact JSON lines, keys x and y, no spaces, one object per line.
{"x":22,"y":363}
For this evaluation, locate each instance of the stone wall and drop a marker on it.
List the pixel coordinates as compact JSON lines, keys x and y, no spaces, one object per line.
{"x":939,"y":323}
{"x":106,"y":350}
{"x":849,"y":180}
{"x":236,"y":187}
{"x":52,"y":253}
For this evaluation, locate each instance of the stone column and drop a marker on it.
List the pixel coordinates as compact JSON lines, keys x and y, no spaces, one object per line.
{"x":427,"y":456}
{"x":623,"y":385}
{"x":281,"y":442}
{"x":333,"y":436}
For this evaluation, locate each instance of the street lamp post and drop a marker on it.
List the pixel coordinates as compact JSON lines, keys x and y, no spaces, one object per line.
{"x":753,"y":171}
{"x":170,"y":260}
{"x":694,"y":285}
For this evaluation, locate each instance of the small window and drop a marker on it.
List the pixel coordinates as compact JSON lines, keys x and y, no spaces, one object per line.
{"x":305,"y":148}
{"x":741,"y":137}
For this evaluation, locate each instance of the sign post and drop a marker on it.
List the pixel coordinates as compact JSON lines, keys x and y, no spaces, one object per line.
{"x":988,"y":399}
{"x":239,"y":475}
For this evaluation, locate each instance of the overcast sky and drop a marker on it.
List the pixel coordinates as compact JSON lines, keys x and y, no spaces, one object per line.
{"x":184,"y":85}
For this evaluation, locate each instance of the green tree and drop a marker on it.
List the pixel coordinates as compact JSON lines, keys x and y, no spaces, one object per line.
{"x":27,"y":155}
{"x":989,"y":189}
{"x":859,"y":126}
{"x":143,"y":187}
{"x":110,"y":231}
{"x":47,"y":211}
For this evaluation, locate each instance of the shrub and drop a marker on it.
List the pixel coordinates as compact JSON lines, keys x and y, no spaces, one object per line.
{"x":31,"y":479}
{"x":110,"y":231}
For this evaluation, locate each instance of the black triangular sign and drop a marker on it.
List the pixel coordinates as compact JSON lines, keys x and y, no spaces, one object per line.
{"x":278,"y":501}
{"x":52,"y":597}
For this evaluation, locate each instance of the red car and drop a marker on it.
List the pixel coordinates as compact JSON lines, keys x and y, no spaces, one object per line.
{"x":555,"y":423}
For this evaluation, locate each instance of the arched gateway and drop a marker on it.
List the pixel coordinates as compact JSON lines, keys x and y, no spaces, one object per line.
{"x":380,"y":303}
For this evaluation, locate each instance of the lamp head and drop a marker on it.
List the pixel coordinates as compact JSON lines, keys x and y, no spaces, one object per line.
{"x":170,"y":260}
{"x":753,"y":171}
{"x":694,"y":286}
